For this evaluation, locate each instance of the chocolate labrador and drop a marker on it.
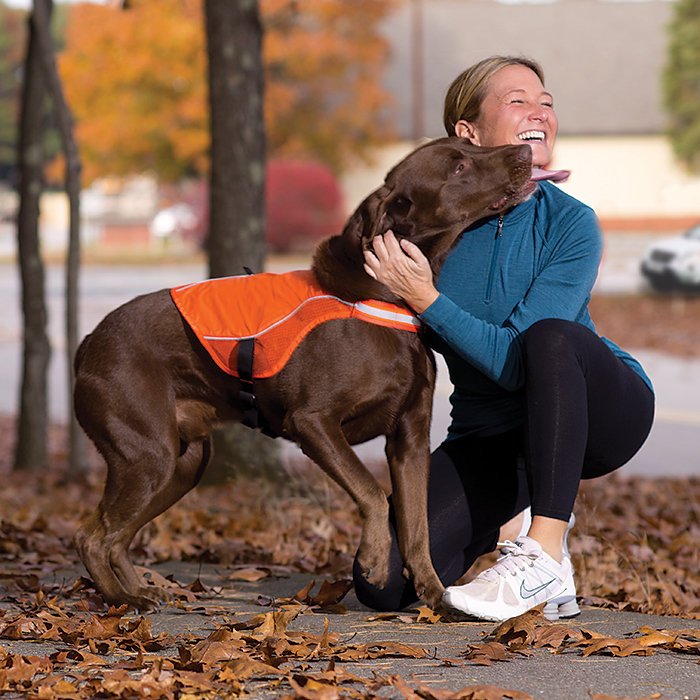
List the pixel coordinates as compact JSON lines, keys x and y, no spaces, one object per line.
{"x":148,"y":394}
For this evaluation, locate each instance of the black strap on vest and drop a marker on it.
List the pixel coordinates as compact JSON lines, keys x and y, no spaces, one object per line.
{"x":246,"y":395}
{"x":252,"y":418}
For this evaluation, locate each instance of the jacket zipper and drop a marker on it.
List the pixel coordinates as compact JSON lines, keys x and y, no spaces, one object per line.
{"x":494,"y":258}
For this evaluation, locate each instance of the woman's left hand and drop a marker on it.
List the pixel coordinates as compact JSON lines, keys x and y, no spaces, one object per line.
{"x":403,"y":268}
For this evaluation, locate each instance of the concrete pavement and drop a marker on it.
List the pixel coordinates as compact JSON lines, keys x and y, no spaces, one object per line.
{"x":543,"y":674}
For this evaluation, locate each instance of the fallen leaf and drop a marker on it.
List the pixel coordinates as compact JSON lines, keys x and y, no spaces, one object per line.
{"x":251,"y":574}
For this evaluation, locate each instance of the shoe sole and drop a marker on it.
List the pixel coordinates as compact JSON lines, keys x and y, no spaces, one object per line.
{"x":561,"y":609}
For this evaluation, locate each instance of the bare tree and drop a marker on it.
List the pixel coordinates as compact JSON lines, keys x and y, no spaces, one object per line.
{"x":237,"y":180}
{"x":42,"y":80}
{"x":41,"y":25}
{"x":31,"y":449}
{"x":237,"y":186}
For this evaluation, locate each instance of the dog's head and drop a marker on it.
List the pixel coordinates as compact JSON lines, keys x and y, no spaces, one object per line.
{"x":439,"y":190}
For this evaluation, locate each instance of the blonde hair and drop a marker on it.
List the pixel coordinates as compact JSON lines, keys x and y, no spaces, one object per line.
{"x":464,"y":97}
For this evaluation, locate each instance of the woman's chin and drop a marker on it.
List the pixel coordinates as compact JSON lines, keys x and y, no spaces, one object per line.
{"x":541,"y":155}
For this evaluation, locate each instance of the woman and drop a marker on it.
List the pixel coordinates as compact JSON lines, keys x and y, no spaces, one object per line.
{"x":540,"y":401}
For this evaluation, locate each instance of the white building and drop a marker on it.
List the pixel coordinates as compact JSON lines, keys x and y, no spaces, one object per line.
{"x":603,"y":61}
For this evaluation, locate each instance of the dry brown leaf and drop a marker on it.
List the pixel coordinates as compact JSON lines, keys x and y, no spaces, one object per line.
{"x":617,"y":647}
{"x":248,"y":574}
{"x":244,"y":667}
{"x":272,"y":624}
{"x":472,"y":692}
{"x":485,"y":653}
{"x":555,"y":636}
{"x":207,"y":653}
{"x":428,"y":615}
{"x":310,"y":689}
{"x":519,"y":632}
{"x":332,"y":675}
{"x":655,"y":638}
{"x":386,"y":617}
{"x":404,"y":688}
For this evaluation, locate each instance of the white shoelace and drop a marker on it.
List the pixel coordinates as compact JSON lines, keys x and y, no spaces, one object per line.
{"x":514,"y":559}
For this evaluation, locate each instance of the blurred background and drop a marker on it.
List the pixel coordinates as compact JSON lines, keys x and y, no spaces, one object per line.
{"x":350,"y":88}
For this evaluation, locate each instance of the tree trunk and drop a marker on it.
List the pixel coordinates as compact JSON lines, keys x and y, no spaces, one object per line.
{"x":237,"y":190}
{"x":237,"y":180}
{"x":31,"y":450}
{"x":41,"y":23}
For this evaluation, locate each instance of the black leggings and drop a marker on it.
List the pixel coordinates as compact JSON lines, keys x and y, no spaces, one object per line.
{"x":587,"y":413}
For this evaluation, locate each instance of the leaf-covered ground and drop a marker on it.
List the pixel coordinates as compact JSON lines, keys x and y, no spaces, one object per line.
{"x":669,"y":324}
{"x":635,"y":548}
{"x":635,"y":545}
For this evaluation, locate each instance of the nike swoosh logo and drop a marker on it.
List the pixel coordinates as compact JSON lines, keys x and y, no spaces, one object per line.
{"x":529,"y":592}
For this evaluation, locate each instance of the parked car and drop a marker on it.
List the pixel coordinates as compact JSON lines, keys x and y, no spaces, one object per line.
{"x":176,"y":220}
{"x":674,"y":263}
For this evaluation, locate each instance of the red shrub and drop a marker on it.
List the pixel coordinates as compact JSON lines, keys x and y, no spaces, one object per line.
{"x":304,"y":203}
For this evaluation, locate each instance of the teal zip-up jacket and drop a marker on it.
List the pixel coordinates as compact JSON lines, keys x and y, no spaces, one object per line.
{"x":538,"y":261}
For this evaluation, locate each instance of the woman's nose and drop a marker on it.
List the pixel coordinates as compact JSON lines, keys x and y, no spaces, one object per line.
{"x":538,"y":113}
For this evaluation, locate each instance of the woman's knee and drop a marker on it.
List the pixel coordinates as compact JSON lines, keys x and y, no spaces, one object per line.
{"x":551,"y":330}
{"x":397,"y":594}
{"x":552,"y":337}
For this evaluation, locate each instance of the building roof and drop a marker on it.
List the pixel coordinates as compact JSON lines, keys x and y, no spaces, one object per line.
{"x":603,"y":59}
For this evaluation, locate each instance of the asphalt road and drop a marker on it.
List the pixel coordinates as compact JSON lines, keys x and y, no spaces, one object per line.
{"x":670,"y":450}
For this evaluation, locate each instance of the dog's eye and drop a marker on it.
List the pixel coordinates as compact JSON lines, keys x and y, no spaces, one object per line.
{"x":400,"y":205}
{"x":459,"y":168}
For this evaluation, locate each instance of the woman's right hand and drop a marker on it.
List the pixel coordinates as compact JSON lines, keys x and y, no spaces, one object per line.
{"x":402,"y":267}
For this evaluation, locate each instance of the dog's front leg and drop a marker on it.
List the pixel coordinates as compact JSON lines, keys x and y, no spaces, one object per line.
{"x":408,"y":454}
{"x":322,"y":440}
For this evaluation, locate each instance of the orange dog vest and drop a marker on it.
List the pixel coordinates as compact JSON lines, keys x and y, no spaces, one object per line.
{"x":277,"y":310}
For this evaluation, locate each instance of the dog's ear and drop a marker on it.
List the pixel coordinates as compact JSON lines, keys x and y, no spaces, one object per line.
{"x":368,"y":220}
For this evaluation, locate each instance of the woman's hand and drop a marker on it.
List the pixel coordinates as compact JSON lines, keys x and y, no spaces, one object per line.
{"x":403,"y":268}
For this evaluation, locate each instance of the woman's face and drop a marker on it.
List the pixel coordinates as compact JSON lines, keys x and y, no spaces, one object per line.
{"x":516,"y":109}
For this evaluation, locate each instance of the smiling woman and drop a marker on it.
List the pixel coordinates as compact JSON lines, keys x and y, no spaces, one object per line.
{"x":514,"y":109}
{"x":540,"y":400}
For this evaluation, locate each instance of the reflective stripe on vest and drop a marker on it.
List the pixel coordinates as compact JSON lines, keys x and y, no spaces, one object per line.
{"x":278,"y":310}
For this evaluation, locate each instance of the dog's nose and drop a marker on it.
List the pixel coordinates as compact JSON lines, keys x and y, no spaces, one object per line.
{"x":524,"y":153}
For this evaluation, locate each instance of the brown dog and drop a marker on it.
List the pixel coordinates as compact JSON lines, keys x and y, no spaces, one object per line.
{"x":148,"y":394}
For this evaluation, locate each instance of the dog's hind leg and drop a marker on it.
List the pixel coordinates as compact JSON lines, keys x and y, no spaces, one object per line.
{"x":136,"y":493}
{"x":189,"y":468}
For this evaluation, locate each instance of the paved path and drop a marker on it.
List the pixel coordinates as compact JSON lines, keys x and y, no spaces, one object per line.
{"x":542,"y":674}
{"x":670,"y":450}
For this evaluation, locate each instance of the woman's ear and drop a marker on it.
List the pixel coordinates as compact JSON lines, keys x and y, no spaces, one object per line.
{"x":467,"y":130}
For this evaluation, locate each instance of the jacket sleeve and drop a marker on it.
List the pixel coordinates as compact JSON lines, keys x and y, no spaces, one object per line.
{"x":561,"y":289}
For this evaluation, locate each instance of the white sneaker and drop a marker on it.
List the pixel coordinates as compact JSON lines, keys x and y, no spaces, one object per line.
{"x":566,"y":606}
{"x":523,"y":578}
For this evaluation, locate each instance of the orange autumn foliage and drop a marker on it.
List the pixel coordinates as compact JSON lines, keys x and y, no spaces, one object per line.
{"x":136,"y":81}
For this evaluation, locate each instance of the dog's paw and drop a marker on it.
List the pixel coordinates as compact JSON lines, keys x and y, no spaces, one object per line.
{"x":374,"y":551}
{"x":427,"y":584}
{"x":148,"y":598}
{"x":375,"y":569}
{"x":433,"y":598}
{"x":162,"y":595}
